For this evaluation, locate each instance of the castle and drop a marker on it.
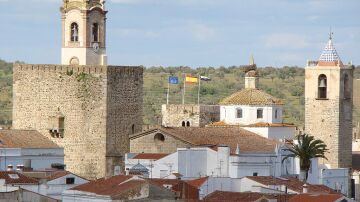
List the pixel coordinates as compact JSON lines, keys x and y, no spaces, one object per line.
{"x":83,"y":105}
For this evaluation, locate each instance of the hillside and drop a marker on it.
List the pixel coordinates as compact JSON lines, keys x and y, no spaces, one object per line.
{"x":286,"y":83}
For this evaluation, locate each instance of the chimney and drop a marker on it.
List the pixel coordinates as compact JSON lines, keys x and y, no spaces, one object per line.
{"x":305,"y":188}
{"x":223,"y":158}
{"x":127,"y":171}
{"x":19,"y":168}
{"x":9,"y":167}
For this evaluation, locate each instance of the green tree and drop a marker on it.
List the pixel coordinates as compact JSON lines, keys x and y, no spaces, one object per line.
{"x":306,"y":148}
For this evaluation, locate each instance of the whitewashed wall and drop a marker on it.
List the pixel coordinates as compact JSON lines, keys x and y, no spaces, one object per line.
{"x":40,"y":158}
{"x":228,"y":114}
{"x":276,"y":133}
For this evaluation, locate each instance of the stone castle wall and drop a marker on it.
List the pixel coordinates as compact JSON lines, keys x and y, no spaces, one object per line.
{"x":174,"y":115}
{"x":97,"y":103}
{"x":149,"y":143}
{"x":330,"y":119}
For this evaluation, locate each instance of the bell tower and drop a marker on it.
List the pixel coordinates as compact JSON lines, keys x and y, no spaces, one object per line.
{"x":328,"y":105}
{"x":83,"y":32}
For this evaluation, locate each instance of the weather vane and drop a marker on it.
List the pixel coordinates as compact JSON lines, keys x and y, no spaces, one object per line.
{"x":330,"y":34}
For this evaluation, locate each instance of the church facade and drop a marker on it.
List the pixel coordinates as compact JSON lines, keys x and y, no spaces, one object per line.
{"x":90,"y":109}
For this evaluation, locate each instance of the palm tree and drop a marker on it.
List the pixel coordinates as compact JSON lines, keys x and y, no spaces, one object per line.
{"x":306,"y":148}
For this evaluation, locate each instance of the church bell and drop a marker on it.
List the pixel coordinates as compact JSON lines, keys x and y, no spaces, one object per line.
{"x":322,"y":83}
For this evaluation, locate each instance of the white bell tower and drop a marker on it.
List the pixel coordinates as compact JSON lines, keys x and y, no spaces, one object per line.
{"x":83,"y":32}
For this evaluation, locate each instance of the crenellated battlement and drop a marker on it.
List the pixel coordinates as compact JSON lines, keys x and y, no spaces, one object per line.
{"x":132,"y":71}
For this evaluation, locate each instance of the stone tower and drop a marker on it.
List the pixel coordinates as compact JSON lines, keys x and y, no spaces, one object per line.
{"x":328,"y":105}
{"x":83,"y":32}
{"x":89,"y":109}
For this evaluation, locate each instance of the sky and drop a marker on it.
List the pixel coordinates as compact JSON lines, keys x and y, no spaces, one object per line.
{"x":196,"y":33}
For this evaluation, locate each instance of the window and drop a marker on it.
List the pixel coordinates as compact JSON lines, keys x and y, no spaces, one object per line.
{"x":322,"y":86}
{"x":70,"y":180}
{"x":183,"y":124}
{"x":255,"y":174}
{"x":347,"y":91}
{"x":188,"y":124}
{"x":133,"y":129}
{"x":74,"y":32}
{"x":276,"y":113}
{"x":95,"y":32}
{"x":159,"y":137}
{"x":239,"y":113}
{"x":61,"y":126}
{"x":259,"y":113}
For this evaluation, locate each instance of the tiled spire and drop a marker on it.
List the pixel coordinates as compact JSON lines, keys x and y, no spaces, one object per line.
{"x":329,"y":53}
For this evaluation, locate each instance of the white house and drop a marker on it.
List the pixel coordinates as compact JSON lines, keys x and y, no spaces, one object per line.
{"x":255,"y":110}
{"x":335,"y":178}
{"x":53,"y":182}
{"x":216,"y":162}
{"x":28,"y":149}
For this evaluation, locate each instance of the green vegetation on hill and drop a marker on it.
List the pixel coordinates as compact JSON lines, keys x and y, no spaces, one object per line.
{"x":286,"y":83}
{"x":5,"y":92}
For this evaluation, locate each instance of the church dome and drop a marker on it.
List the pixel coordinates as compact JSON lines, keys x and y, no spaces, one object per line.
{"x":251,"y":96}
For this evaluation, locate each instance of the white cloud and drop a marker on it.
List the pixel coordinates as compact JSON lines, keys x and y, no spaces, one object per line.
{"x":286,"y":40}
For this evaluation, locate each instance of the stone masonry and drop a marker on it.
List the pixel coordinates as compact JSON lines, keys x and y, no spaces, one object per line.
{"x":330,"y":119}
{"x":175,"y":115}
{"x":88,"y":110}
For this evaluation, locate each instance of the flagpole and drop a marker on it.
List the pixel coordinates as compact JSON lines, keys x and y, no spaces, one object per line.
{"x":168,"y":92}
{"x":199,"y":89}
{"x":183,"y":98}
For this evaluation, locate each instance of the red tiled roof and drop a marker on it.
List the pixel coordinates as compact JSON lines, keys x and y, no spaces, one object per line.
{"x":162,"y":182}
{"x":57,"y":174}
{"x":17,"y":178}
{"x":24,"y":139}
{"x":222,"y":196}
{"x":315,"y":198}
{"x":292,"y":183}
{"x":197,"y":182}
{"x":183,"y":189}
{"x":113,"y":186}
{"x":152,"y":156}
{"x":232,"y":136}
{"x":177,"y":174}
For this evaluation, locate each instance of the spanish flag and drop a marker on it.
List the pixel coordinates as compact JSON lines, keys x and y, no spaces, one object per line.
{"x":191,"y":79}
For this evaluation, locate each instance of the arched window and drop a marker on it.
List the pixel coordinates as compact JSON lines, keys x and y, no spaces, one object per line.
{"x":259,"y":113}
{"x":95,"y":32}
{"x":183,"y":124}
{"x":188,"y":124}
{"x":322,"y":86}
{"x":159,"y":137}
{"x":74,"y":32}
{"x":347,"y":91}
{"x":239,"y":113}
